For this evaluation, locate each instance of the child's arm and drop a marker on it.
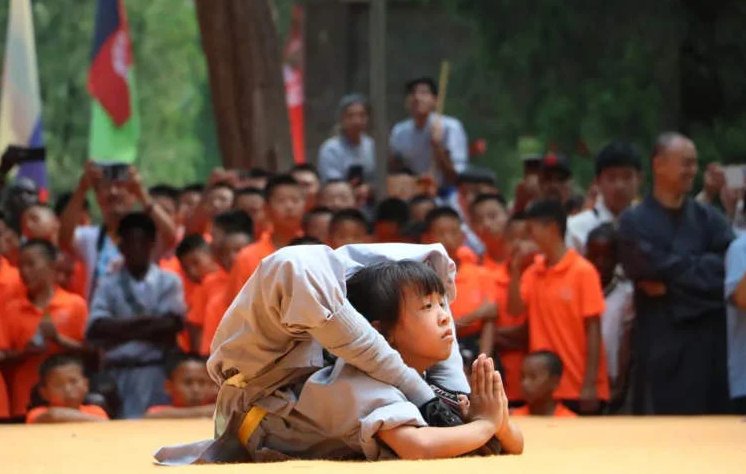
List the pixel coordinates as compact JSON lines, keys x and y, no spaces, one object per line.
{"x":588,"y":395}
{"x":204,"y":411}
{"x":65,"y":415}
{"x":409,"y":442}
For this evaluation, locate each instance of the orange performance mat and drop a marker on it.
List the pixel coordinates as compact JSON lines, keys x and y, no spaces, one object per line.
{"x":702,"y":445}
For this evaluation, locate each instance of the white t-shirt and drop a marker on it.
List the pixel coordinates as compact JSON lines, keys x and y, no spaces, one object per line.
{"x":98,"y":261}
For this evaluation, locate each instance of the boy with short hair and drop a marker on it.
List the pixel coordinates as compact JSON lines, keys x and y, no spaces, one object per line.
{"x":135,"y":316}
{"x":540,"y":376}
{"x":64,"y":386}
{"x":336,"y":195}
{"x":476,"y":295}
{"x":232,"y":233}
{"x":251,"y":201}
{"x":501,"y":236}
{"x":616,"y":321}
{"x":189,"y":387}
{"x":284,"y":209}
{"x":197,"y":262}
{"x":348,"y":226}
{"x":316,"y":223}
{"x":45,"y":321}
{"x":392,"y":217}
{"x":561,"y":292}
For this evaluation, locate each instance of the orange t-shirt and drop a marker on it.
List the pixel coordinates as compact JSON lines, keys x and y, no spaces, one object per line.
{"x":246,"y":263}
{"x":11,"y":288}
{"x":560,"y":411}
{"x":473,"y":288}
{"x":511,"y":359}
{"x":559,"y":299}
{"x":69,"y":314}
{"x":213,"y":306}
{"x":94,"y":410}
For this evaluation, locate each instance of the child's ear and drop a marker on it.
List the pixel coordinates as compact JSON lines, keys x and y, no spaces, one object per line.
{"x":43,"y":392}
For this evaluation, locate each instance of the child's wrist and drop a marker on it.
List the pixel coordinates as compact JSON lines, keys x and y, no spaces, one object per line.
{"x":485,"y":426}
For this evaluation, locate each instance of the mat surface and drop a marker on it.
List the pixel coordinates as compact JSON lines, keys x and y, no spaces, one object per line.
{"x":601,"y":445}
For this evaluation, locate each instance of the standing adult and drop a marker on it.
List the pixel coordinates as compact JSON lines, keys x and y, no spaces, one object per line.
{"x":673,"y":248}
{"x":428,"y":143}
{"x":350,"y":154}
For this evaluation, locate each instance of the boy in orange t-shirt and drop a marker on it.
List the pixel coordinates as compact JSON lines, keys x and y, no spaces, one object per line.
{"x":11,"y":288}
{"x":63,"y":386}
{"x":561,"y":291}
{"x":501,"y":235}
{"x":475,"y":293}
{"x":48,"y":320}
{"x":196,"y":262}
{"x":232,"y":232}
{"x":541,"y":374}
{"x":284,"y":212}
{"x":190,"y":388}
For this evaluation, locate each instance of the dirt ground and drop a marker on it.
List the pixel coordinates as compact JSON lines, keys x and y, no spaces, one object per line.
{"x":702,"y":445}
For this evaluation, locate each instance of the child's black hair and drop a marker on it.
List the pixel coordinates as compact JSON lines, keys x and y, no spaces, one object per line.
{"x":497,"y":197}
{"x":549,"y":210}
{"x":249,"y":191}
{"x":554,"y":363}
{"x":377,"y":291}
{"x":189,"y":244}
{"x":305,"y":240}
{"x":277,"y":181}
{"x":176,"y":358}
{"x":47,"y":248}
{"x":419,"y":199}
{"x":165,"y":190}
{"x":438,"y":213}
{"x":606,"y":231}
{"x":393,"y":210}
{"x":352,"y":215}
{"x":137,"y":220}
{"x":193,"y":188}
{"x":234,"y":222}
{"x":55,"y":361}
{"x":618,"y":154}
{"x":63,"y":199}
{"x":305,"y":167}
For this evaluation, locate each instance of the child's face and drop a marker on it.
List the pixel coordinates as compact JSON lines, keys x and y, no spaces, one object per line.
{"x":489,"y":220}
{"x":36,"y":269}
{"x":285,"y":208}
{"x":39,"y":223}
{"x":253,"y":205}
{"x":602,"y":254}
{"x":318,"y":226}
{"x":230,"y":246}
{"x":219,"y":199}
{"x":197,"y":264}
{"x":188,"y":202}
{"x":136,"y":248}
{"x":544,"y":234}
{"x":423,"y":333}
{"x":64,"y":386}
{"x":347,"y":232}
{"x":190,"y":385}
{"x":446,"y":231}
{"x":419,"y":211}
{"x":65,"y":267}
{"x":537,"y":383}
{"x":338,"y":196}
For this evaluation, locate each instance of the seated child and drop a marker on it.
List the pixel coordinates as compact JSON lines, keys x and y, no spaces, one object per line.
{"x":348,"y":226}
{"x":294,"y":306}
{"x":474,"y":285}
{"x":316,"y":223}
{"x":540,"y":377}
{"x":64,"y":387}
{"x":190,"y":388}
{"x":47,"y":320}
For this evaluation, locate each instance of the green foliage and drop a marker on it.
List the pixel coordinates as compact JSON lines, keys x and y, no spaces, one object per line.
{"x":178,"y":142}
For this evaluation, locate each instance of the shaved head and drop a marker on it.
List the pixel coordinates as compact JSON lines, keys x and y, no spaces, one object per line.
{"x":668,"y":140}
{"x":674,"y":163}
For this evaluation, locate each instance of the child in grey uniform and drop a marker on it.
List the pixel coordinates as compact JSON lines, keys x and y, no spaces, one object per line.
{"x":268,"y":357}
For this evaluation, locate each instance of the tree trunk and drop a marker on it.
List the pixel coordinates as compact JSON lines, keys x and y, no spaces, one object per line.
{"x":248,"y":93}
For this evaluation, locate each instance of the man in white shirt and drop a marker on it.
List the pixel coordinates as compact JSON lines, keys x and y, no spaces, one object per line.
{"x":428,"y":143}
{"x":618,"y":176}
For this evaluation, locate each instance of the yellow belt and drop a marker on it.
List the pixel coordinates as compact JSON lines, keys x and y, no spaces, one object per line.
{"x":252,"y":418}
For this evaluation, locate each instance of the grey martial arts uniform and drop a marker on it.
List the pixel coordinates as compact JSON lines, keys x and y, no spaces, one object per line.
{"x":274,"y":333}
{"x":136,"y":365}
